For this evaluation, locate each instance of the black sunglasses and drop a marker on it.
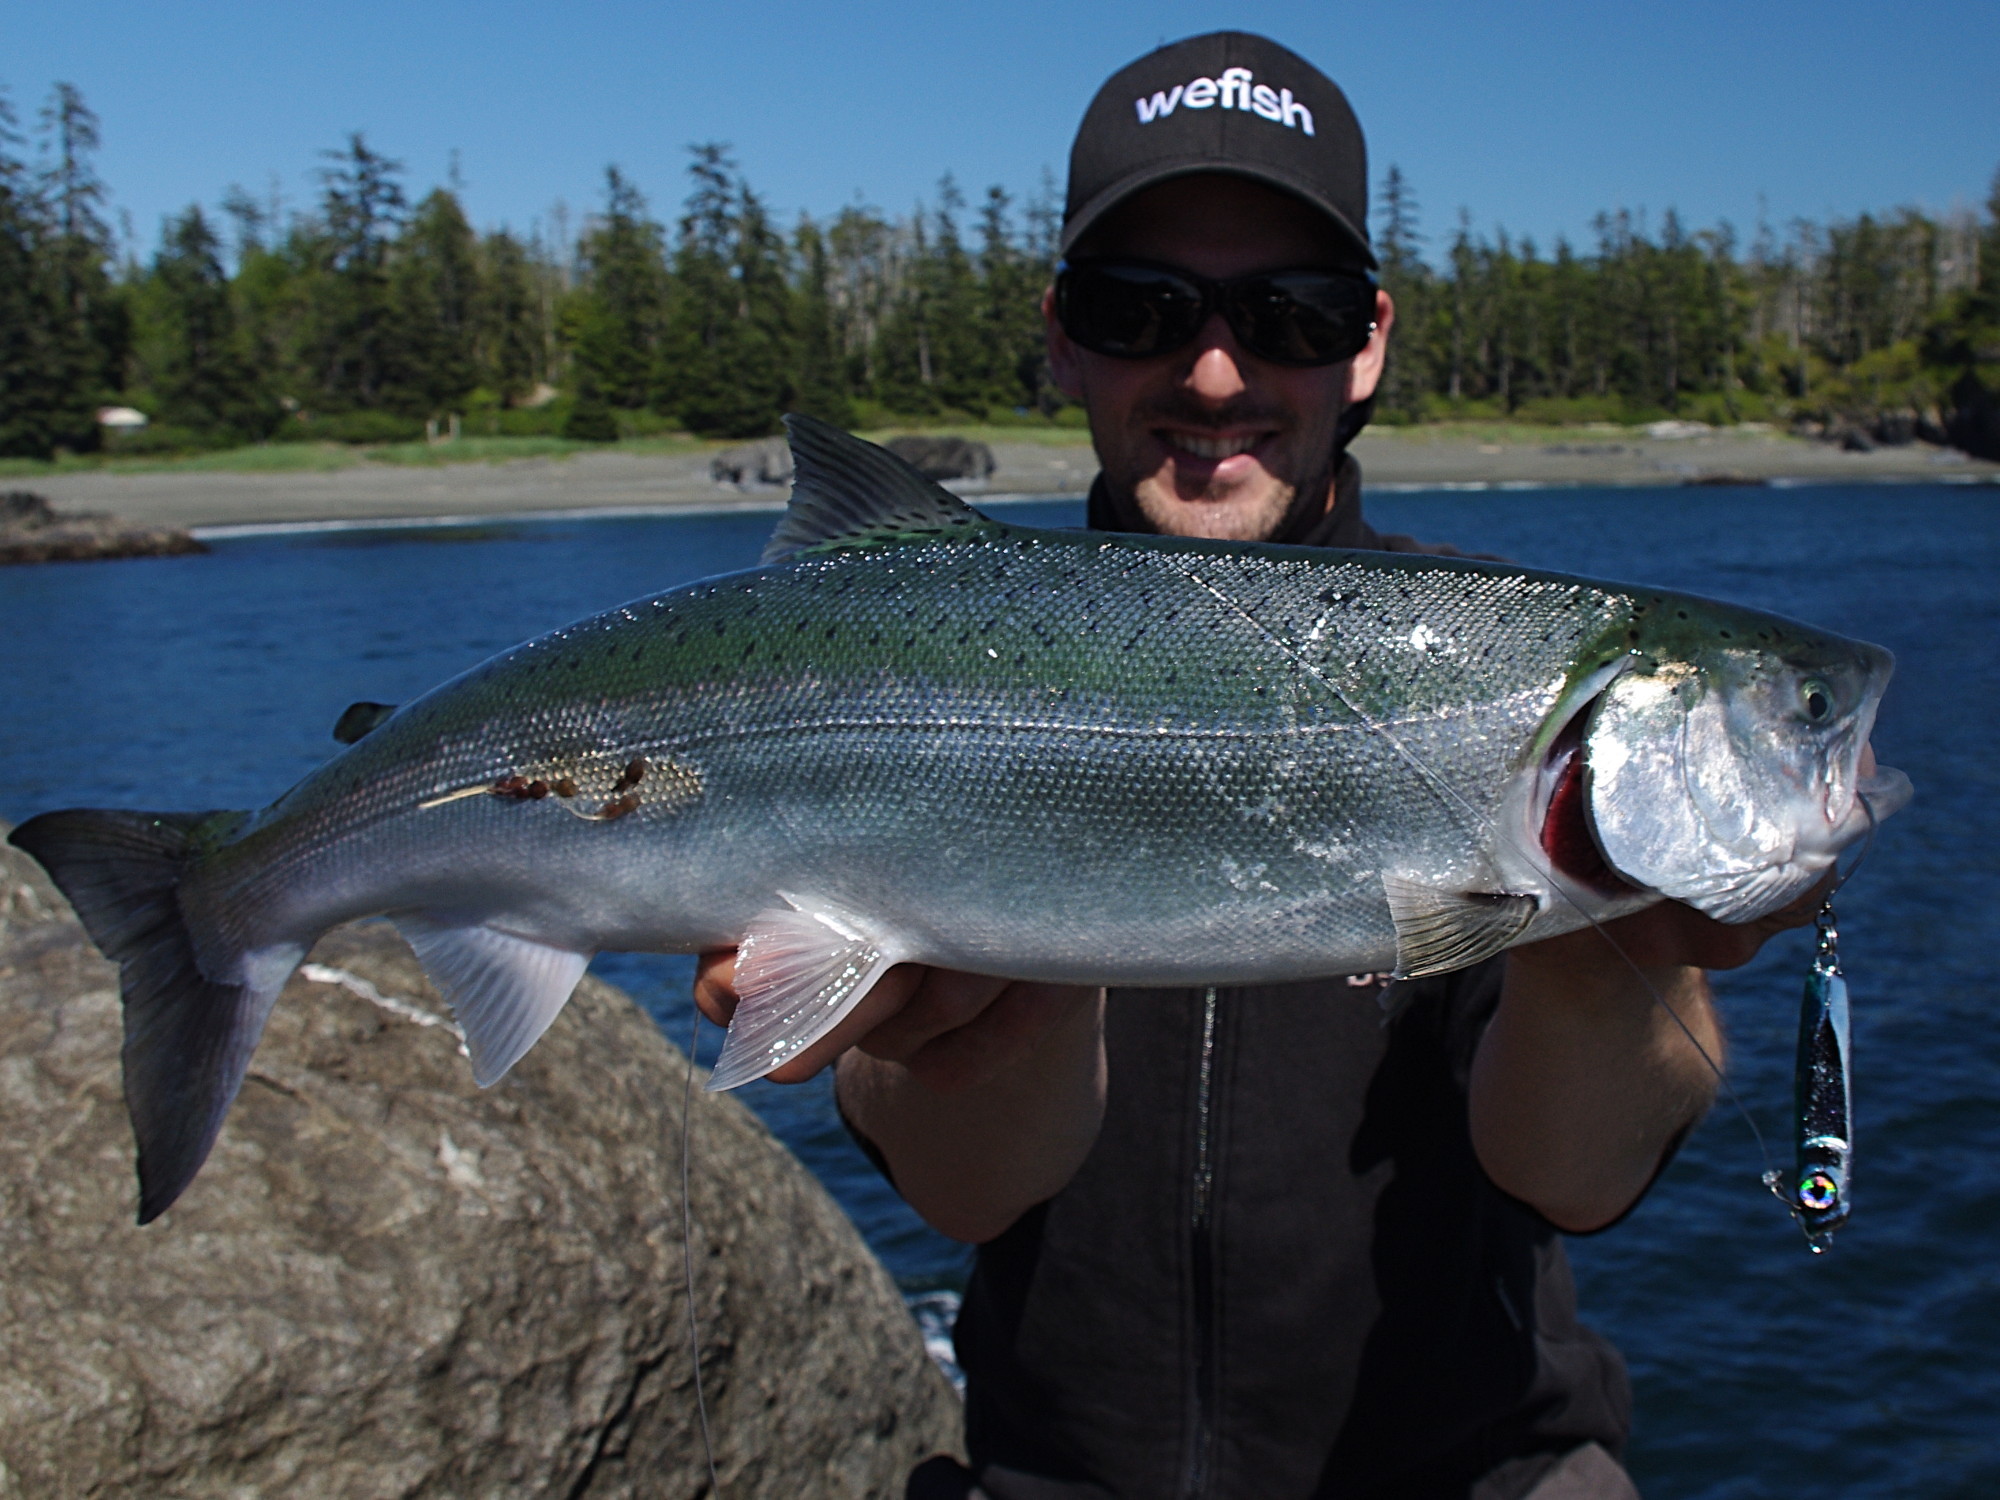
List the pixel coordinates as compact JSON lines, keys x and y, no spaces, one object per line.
{"x":1133,"y":309}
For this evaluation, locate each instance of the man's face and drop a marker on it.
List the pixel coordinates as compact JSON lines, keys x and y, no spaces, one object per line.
{"x":1209,"y":440}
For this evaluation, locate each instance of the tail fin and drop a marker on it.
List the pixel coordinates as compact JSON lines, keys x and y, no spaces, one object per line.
{"x":188,"y":1038}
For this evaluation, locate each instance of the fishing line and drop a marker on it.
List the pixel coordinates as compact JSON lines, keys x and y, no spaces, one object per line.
{"x":687,"y":1256}
{"x":1866,"y":844}
{"x":1480,"y":821}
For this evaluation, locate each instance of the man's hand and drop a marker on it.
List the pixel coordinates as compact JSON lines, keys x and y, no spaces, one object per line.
{"x":1673,"y":935}
{"x":950,"y":1030}
{"x":984,"y":1095}
{"x":1583,"y":1079}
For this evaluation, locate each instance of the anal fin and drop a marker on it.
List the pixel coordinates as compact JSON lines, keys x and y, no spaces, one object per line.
{"x":1439,"y":930}
{"x":504,"y":990}
{"x":799,"y":971}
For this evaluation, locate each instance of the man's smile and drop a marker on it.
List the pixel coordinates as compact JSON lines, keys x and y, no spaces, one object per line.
{"x":1209,"y":445}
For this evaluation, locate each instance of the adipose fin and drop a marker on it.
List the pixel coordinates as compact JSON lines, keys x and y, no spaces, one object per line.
{"x":359,"y":719}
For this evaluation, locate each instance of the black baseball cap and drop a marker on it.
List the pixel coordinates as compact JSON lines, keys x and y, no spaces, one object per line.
{"x":1226,"y":102}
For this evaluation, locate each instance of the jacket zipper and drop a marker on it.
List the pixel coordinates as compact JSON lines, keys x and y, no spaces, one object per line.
{"x":1202,"y":1258}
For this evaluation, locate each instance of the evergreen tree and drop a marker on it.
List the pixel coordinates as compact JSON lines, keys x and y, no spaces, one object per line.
{"x":1962,"y":347}
{"x":1407,"y":378}
{"x":864,"y":271}
{"x":616,"y":317}
{"x":64,"y":327}
{"x":189,"y":354}
{"x":821,"y":387}
{"x":590,"y":418}
{"x":728,"y":361}
{"x":964,"y":361}
{"x":360,"y":307}
{"x":28,"y":421}
{"x":509,"y":341}
{"x":1010,"y":282}
{"x":434,"y":289}
{"x":94,"y":324}
{"x":351,"y":343}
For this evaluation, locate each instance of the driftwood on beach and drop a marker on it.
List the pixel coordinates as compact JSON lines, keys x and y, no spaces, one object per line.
{"x":33,"y":531}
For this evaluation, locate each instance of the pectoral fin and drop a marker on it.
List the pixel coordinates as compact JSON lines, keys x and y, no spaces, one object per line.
{"x":799,"y":971}
{"x":504,"y":990}
{"x":1439,"y":930}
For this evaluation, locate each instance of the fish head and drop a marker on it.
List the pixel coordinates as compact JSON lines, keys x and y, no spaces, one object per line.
{"x":1728,"y":766}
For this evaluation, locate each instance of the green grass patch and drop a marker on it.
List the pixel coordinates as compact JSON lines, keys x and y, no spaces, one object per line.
{"x":1497,"y":431}
{"x":499,"y":450}
{"x":474,"y":450}
{"x":255,"y":458}
{"x":319,"y":457}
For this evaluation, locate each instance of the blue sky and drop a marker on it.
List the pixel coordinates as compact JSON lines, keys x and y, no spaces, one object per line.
{"x":1533,"y":115}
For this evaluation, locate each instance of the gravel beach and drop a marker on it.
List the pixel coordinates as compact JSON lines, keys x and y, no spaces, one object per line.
{"x":612,"y":480}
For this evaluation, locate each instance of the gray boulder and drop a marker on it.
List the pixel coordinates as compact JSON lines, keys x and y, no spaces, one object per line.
{"x":946,"y":457}
{"x":768,"y":461}
{"x":387,"y":1282}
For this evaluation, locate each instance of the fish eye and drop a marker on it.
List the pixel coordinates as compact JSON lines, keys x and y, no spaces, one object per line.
{"x":1818,"y":700}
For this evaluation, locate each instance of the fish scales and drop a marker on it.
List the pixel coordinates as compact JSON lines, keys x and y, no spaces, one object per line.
{"x":928,"y":729}
{"x":916,"y":734}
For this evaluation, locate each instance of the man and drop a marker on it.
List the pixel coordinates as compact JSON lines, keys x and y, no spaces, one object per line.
{"x":1269,"y":1241}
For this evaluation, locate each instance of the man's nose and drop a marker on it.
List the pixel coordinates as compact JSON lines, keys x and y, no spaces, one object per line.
{"x":1217,"y":373}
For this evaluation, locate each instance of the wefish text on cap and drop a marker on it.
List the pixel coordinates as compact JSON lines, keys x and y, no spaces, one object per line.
{"x":1233,"y":90}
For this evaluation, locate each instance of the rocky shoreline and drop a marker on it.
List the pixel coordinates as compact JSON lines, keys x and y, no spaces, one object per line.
{"x":389,"y":1282}
{"x":33,"y":531}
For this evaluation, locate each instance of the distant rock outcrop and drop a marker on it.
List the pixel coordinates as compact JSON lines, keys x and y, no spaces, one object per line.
{"x":387,"y":1282}
{"x":31,"y":531}
{"x":768,"y":461}
{"x":1974,"y":423}
{"x":944,"y":457}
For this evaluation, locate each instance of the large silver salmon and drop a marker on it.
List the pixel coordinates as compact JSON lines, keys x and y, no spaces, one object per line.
{"x":919,"y":734}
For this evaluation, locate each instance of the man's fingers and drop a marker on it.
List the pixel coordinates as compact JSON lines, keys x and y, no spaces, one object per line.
{"x":715,"y":984}
{"x":890,"y":994}
{"x":1001,"y":1034}
{"x":1672,"y":934}
{"x":944,"y":1001}
{"x":951,"y":1029}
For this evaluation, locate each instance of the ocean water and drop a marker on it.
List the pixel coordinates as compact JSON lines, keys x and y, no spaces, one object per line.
{"x":1760,"y":1370}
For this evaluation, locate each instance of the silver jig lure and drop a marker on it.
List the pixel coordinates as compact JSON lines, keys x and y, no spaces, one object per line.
{"x":1819,"y":1193}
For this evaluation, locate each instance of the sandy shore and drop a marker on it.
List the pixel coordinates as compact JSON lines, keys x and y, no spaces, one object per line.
{"x":622,"y":481}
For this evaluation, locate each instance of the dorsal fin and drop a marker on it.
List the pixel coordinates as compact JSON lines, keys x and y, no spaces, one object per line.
{"x":845,"y":490}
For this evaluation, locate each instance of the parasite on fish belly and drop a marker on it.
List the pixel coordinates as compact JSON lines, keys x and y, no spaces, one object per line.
{"x":1068,"y":776}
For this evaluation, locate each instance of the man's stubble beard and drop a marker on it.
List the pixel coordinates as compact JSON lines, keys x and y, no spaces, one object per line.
{"x":1287,"y":513}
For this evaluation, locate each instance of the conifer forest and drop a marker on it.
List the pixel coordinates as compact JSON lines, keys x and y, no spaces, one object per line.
{"x":373,"y":310}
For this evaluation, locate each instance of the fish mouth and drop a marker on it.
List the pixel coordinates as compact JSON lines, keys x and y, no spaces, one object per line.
{"x":1884,"y":791}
